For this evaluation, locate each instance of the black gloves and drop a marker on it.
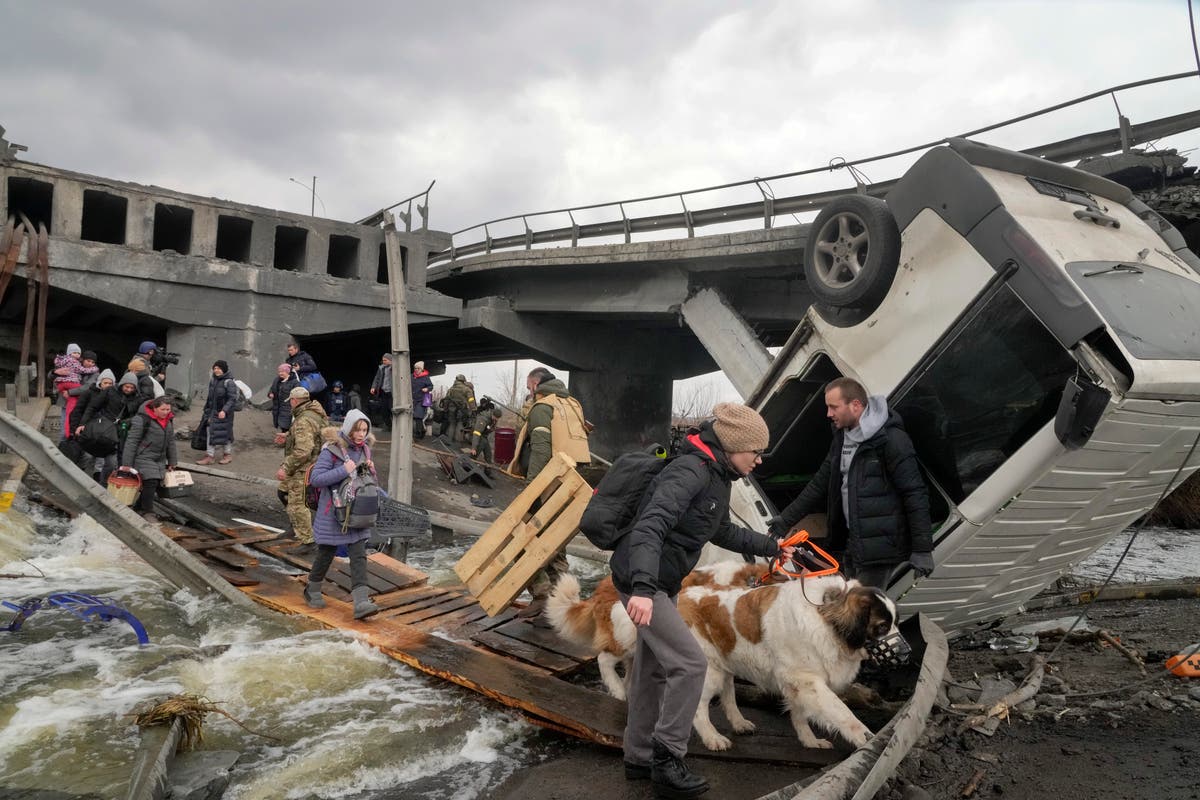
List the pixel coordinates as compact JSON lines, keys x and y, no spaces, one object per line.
{"x":777,"y":527}
{"x":922,"y":564}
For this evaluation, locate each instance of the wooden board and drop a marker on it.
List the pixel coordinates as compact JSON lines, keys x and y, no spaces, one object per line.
{"x":545,"y":638}
{"x":399,"y":574}
{"x":525,"y":537}
{"x":209,"y":544}
{"x":529,"y":653}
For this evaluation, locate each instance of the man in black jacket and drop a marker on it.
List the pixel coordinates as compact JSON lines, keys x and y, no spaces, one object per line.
{"x":871,"y":488}
{"x":685,"y":506}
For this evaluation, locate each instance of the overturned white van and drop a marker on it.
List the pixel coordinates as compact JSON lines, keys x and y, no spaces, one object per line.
{"x":1038,"y":329}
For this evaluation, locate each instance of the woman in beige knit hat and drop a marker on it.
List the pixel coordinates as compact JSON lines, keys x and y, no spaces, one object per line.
{"x":685,"y":506}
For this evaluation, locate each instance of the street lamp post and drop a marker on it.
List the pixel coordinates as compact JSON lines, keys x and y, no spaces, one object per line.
{"x":312,"y":212}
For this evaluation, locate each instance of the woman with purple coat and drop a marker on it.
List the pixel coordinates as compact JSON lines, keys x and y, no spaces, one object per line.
{"x":344,"y":451}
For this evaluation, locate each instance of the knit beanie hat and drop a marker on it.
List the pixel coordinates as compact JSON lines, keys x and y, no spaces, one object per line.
{"x":88,"y":355}
{"x":108,"y":375}
{"x":740,"y":429}
{"x":129,"y":378}
{"x":73,"y":349}
{"x":224,"y":365}
{"x":284,"y":367}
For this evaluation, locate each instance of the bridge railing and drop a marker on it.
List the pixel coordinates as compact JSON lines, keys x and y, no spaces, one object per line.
{"x":478,"y":239}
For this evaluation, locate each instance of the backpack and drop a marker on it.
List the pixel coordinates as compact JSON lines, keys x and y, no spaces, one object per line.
{"x":614,"y":505}
{"x":356,"y":499}
{"x":241,"y":393}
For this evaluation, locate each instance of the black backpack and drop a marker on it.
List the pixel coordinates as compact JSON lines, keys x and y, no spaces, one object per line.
{"x":614,"y":505}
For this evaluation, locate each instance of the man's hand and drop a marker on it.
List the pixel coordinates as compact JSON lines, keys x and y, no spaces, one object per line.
{"x":170,"y":467}
{"x":280,"y":475}
{"x":220,"y":415}
{"x":786,"y":553}
{"x":640,"y":609}
{"x":79,"y":430}
{"x":473,"y":452}
{"x":922,"y":564}
{"x":374,"y":390}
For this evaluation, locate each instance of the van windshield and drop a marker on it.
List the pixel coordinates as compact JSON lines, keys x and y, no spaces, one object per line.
{"x":992,"y":383}
{"x":1153,"y":311}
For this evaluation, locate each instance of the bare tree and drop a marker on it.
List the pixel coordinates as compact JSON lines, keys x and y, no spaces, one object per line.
{"x":512,"y":389}
{"x":693,"y":404}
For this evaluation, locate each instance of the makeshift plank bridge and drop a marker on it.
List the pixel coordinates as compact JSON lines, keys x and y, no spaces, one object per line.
{"x":445,"y":632}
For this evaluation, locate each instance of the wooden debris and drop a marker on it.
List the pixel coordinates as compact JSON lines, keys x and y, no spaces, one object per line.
{"x":973,"y":784}
{"x":1000,"y":709}
{"x":1105,"y":636}
{"x":526,"y":536}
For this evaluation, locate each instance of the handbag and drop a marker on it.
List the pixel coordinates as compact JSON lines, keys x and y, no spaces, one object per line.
{"x":314,"y":382}
{"x":99,"y":437}
{"x":426,"y":400}
{"x":200,"y":435}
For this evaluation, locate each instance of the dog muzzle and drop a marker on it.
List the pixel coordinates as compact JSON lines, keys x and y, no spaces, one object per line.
{"x":889,"y":651}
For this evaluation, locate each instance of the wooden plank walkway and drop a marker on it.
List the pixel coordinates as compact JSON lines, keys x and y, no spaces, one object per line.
{"x":443,"y":631}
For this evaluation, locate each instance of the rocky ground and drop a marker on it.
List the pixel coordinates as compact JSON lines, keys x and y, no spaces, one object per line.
{"x":1097,"y":729}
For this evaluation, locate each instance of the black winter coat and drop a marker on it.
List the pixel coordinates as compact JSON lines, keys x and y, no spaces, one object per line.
{"x":222,"y":394}
{"x":281,"y":408}
{"x":302,"y":363}
{"x":110,"y":403}
{"x":150,"y":446}
{"x":886,"y":496}
{"x":685,"y":506}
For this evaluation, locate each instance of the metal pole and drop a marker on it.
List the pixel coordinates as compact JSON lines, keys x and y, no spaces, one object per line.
{"x":400,"y":473}
{"x":312,"y":209}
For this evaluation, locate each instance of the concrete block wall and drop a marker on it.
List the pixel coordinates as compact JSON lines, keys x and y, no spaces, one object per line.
{"x":67,"y":209}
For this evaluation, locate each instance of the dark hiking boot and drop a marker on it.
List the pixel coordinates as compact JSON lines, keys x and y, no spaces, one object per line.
{"x":363,"y":607}
{"x":150,"y":517}
{"x":312,"y":595}
{"x":637,"y":772}
{"x":672,"y":778}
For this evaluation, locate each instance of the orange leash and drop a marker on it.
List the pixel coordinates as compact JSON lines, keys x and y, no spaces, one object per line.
{"x":817,"y":563}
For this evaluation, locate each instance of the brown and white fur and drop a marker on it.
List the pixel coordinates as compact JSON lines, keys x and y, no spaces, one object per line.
{"x":600,"y":621}
{"x":802,"y":640}
{"x":778,"y":638}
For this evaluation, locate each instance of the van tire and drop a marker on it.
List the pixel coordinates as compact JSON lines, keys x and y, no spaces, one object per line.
{"x":852,"y":252}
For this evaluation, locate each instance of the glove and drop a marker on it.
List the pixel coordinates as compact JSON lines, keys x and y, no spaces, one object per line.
{"x":777,"y":527}
{"x":922,"y":564}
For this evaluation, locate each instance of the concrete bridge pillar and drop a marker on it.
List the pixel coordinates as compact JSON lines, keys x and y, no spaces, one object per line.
{"x":728,"y":338}
{"x":252,"y":356}
{"x":631,"y":410}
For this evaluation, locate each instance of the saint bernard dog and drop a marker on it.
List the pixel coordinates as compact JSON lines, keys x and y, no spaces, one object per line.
{"x":803,"y":640}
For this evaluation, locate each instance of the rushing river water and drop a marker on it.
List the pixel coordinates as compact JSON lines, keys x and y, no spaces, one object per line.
{"x":350,"y":722}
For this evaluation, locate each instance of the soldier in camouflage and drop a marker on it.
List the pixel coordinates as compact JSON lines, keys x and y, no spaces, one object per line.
{"x":485,"y":422}
{"x":460,"y":403}
{"x":301,"y":448}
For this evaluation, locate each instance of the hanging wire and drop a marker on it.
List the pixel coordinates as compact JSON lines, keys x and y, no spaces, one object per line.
{"x":1192,"y":27}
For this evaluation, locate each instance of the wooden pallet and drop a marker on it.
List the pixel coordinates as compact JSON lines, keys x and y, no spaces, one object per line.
{"x":526,"y":536}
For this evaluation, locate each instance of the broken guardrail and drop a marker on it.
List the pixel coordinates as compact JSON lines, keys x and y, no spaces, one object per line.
{"x":169,"y":559}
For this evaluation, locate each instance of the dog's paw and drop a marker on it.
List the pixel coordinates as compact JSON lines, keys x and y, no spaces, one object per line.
{"x":817,"y":744}
{"x":717,"y":742}
{"x":618,"y":692}
{"x":859,"y":736}
{"x":743,"y":726}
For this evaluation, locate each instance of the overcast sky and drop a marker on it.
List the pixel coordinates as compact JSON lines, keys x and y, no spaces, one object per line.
{"x":525,"y":106}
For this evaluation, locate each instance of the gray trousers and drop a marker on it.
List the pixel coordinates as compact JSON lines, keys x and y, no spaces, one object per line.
{"x":667,"y":679}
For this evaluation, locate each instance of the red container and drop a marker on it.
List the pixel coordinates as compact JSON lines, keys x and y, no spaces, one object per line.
{"x":506,"y":443}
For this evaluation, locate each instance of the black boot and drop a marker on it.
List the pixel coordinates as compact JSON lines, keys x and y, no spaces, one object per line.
{"x":671,"y":777}
{"x":637,"y":772}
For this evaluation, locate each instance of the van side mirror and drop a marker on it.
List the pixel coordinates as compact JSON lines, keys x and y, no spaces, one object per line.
{"x":1079,"y":411}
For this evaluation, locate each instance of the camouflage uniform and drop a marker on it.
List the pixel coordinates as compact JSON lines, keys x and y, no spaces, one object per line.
{"x":301,"y":448}
{"x":485,"y":423}
{"x":460,"y":402}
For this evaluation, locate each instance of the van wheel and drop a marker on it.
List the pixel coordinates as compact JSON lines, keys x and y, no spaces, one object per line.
{"x":852,"y":252}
